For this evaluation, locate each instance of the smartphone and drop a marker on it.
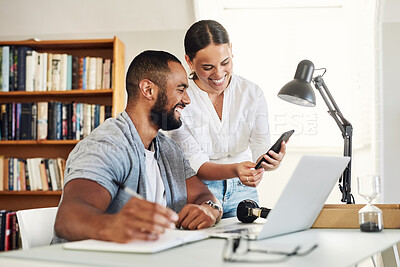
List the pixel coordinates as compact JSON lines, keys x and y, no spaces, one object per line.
{"x":277,"y":146}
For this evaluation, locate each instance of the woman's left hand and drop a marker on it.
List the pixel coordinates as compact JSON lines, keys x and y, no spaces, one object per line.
{"x":274,"y":159}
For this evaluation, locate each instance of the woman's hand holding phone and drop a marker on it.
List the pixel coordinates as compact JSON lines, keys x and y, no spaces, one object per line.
{"x":272,"y":159}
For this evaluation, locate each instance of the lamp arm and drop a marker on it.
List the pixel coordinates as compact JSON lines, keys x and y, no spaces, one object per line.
{"x":347,"y":132}
{"x":334,"y":110}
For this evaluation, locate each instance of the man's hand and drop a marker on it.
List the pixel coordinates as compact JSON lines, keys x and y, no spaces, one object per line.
{"x":139,"y":220}
{"x":82,"y":215}
{"x":194,"y":216}
{"x":274,"y":159}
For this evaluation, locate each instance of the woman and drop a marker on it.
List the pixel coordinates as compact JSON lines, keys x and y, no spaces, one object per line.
{"x":225,"y":128}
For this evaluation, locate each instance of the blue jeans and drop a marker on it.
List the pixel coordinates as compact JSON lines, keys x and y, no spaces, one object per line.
{"x":230,"y":193}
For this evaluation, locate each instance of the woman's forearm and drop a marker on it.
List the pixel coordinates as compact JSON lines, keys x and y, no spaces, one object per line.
{"x":214,"y":171}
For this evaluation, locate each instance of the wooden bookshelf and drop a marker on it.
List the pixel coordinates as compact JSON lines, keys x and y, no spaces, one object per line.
{"x":19,"y":200}
{"x":112,"y":49}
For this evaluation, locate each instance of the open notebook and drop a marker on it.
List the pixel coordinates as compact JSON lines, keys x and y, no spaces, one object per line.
{"x":170,"y":239}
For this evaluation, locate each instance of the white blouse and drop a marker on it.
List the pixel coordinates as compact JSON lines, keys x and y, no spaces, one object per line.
{"x":241,"y":135}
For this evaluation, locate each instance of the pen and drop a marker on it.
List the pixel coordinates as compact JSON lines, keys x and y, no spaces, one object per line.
{"x":128,"y":190}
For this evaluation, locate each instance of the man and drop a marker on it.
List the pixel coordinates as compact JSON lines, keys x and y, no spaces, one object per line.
{"x":130,"y":150}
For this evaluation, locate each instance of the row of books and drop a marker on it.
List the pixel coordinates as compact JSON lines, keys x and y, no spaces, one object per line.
{"x":9,"y":231}
{"x":50,"y":120}
{"x":24,"y":69}
{"x":32,"y":174}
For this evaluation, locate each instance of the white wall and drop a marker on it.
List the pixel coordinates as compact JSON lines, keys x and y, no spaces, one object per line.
{"x":390,"y":96}
{"x":140,"y":24}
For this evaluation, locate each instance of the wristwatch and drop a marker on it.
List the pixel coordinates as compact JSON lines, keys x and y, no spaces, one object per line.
{"x":213,"y":205}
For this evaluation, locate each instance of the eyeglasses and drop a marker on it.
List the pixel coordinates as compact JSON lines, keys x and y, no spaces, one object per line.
{"x":234,"y":250}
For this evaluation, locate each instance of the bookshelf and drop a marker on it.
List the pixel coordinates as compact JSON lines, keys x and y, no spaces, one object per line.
{"x":105,"y":48}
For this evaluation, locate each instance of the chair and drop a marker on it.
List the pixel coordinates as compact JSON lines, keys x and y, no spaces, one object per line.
{"x":36,"y":226}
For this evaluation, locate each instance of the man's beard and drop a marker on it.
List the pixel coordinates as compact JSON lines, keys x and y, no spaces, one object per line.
{"x":163,"y":118}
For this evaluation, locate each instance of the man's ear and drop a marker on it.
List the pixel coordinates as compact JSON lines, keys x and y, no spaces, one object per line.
{"x":147,"y":89}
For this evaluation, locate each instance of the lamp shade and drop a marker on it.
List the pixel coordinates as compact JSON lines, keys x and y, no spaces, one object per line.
{"x":299,"y":91}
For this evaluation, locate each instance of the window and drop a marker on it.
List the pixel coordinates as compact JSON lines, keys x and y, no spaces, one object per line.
{"x":270,"y":38}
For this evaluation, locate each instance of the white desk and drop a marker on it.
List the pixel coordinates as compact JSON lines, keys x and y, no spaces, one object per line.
{"x":336,"y":247}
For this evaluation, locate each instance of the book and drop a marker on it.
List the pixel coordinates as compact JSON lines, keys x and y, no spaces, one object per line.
{"x":49,"y":181}
{"x":64,"y":121}
{"x":73,"y":120}
{"x":5,"y":70}
{"x":61,"y":169}
{"x":14,"y":69}
{"x":75,"y":72}
{"x":63,"y":72}
{"x":171,"y":238}
{"x":17,"y":122}
{"x":22,"y":174}
{"x":87,"y":119}
{"x":58,"y":120}
{"x":1,"y":67}
{"x":69,"y":72}
{"x":44,"y":71}
{"x":49,"y":71}
{"x":56,"y":72}
{"x":51,"y":121}
{"x":16,"y":178}
{"x":8,"y":229}
{"x":11,"y":121}
{"x":106,"y":74}
{"x":81,"y":62}
{"x":96,"y":116}
{"x":26,"y":121}
{"x":92,"y":67}
{"x":21,"y":66}
{"x":1,"y":173}
{"x":30,"y":68}
{"x":38,"y":76}
{"x":11,"y":174}
{"x":108,"y":112}
{"x":42,"y":120}
{"x":34,"y":121}
{"x":32,"y":174}
{"x":2,"y":228}
{"x":79,"y":121}
{"x":99,"y":72}
{"x":5,"y":173}
{"x":84,"y":73}
{"x":102,"y":114}
{"x":4,"y":122}
{"x":11,"y":66}
{"x":43,"y":175}
{"x":13,"y":231}
{"x":27,"y":176}
{"x":70,"y":121}
{"x":53,"y":176}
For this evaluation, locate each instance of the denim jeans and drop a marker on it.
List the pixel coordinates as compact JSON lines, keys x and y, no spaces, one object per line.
{"x":230,"y":193}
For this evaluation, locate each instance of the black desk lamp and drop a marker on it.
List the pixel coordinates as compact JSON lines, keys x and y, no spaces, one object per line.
{"x":300,"y":92}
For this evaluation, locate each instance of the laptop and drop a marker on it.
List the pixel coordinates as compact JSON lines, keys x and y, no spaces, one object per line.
{"x":300,"y":202}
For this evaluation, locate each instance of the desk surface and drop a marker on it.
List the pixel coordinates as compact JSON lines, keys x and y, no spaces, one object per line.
{"x":336,"y":247}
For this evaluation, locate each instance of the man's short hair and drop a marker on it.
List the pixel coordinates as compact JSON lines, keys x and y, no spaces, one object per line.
{"x":151,"y":65}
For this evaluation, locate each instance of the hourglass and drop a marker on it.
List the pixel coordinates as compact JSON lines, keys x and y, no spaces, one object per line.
{"x":370,"y":216}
